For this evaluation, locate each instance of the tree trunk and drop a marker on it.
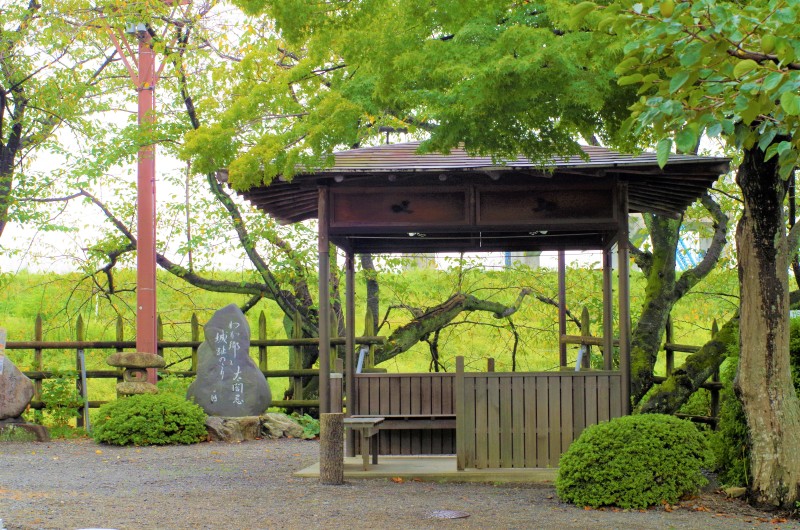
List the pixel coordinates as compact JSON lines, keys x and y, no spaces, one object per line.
{"x":659,"y":299}
{"x":331,"y":448}
{"x":763,"y":380}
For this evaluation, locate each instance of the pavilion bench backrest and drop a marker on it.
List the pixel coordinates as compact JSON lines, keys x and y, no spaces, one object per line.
{"x":399,"y":395}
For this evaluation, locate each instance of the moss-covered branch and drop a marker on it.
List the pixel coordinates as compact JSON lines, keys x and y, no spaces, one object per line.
{"x":670,"y":395}
{"x":438,"y":317}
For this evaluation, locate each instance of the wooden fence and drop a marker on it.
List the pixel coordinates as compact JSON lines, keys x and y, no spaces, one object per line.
{"x":527,"y":420}
{"x":259,"y":346}
{"x":414,"y":400}
{"x":670,"y":348}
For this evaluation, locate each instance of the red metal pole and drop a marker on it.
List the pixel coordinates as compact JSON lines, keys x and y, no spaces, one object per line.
{"x":146,"y":339}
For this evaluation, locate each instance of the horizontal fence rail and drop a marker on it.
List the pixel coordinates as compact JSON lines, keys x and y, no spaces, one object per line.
{"x":258,"y":345}
{"x":261,"y":344}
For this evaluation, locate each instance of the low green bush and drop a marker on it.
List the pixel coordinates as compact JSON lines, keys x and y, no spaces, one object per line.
{"x":633,"y":462}
{"x":159,"y":419}
{"x":310,"y":425}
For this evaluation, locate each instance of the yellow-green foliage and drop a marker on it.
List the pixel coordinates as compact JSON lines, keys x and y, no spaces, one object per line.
{"x":61,"y":299}
{"x":160,"y":419}
{"x":633,"y":462}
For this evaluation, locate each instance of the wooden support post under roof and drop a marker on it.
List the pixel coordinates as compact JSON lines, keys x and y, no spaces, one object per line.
{"x":324,"y":304}
{"x":624,"y":300}
{"x":608,"y":311}
{"x":562,"y":306}
{"x":349,"y":343}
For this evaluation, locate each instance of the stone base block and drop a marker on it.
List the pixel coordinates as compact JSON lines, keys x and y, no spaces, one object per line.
{"x":233,"y":429}
{"x":135,"y":359}
{"x":129,"y":388}
{"x":40,"y":431}
{"x":271,"y":425}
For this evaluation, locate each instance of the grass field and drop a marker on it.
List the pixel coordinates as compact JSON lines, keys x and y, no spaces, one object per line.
{"x":61,"y":299}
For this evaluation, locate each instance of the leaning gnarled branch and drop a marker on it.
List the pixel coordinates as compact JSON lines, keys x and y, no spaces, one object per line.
{"x":437,"y":317}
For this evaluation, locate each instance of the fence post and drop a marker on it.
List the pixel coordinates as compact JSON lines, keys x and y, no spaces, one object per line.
{"x":262,"y":335}
{"x":120,"y":338}
{"x":669,"y":351}
{"x":369,"y":331}
{"x":159,"y":336}
{"x":334,"y":333}
{"x":460,"y":419}
{"x":195,"y":326}
{"x":490,"y":364}
{"x":296,"y":358}
{"x":715,"y":378}
{"x":586,"y":323}
{"x":80,"y":333}
{"x":37,"y":358}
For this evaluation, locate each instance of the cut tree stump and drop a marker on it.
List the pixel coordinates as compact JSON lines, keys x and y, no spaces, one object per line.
{"x":331,"y":448}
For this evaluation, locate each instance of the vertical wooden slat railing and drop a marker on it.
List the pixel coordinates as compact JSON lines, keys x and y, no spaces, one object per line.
{"x":527,"y":420}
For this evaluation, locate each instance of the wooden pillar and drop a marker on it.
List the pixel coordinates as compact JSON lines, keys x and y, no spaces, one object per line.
{"x":562,"y":307}
{"x":331,"y":454}
{"x":350,"y":344}
{"x":324,"y":303}
{"x":608,"y":311}
{"x":624,"y":300}
{"x":460,"y":419}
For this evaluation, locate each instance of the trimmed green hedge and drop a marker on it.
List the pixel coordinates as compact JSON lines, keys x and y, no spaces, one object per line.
{"x":633,"y":462}
{"x":148,"y":419}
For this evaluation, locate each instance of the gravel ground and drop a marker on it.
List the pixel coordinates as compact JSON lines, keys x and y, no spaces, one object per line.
{"x":79,"y":484}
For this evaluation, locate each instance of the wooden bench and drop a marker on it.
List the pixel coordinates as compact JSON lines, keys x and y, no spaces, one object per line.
{"x":414,"y":421}
{"x":368,"y":427}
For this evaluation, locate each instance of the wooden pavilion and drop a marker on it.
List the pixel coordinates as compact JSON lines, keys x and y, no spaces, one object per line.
{"x":391,"y":199}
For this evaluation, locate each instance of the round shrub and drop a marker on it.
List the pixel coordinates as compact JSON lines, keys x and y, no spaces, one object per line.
{"x":148,"y":419}
{"x":633,"y":462}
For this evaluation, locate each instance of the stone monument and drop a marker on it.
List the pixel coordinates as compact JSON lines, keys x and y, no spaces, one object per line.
{"x":228,"y":381}
{"x":16,"y":391}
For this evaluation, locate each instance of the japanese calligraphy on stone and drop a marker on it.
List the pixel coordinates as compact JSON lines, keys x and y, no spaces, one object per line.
{"x":228,"y":381}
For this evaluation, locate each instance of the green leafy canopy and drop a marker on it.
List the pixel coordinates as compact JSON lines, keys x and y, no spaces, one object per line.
{"x":719,"y":68}
{"x":500,"y":78}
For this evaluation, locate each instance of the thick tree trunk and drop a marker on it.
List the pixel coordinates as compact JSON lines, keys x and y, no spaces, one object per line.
{"x":658,"y":302}
{"x":763,"y":380}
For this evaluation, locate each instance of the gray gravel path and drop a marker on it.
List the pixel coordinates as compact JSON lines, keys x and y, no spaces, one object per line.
{"x":79,"y":484}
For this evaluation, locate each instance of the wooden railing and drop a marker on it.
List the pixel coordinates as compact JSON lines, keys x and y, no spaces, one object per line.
{"x":670,"y":348}
{"x":259,"y":346}
{"x":527,"y":420}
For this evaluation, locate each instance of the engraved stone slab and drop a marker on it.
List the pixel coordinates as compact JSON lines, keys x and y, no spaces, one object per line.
{"x":16,"y":390}
{"x":228,"y":381}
